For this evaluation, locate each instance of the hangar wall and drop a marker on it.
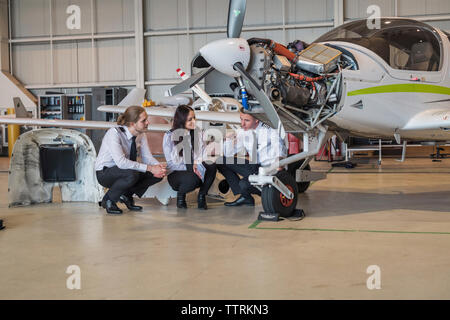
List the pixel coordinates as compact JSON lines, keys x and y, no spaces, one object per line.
{"x":4,"y":54}
{"x":142,"y":42}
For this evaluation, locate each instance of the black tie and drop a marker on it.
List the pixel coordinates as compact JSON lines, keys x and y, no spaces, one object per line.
{"x":133,"y":150}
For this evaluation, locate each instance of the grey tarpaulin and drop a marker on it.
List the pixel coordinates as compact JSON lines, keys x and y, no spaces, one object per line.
{"x":25,"y":184}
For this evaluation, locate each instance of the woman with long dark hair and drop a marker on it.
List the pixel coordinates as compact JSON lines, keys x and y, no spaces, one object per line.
{"x":183,"y":148}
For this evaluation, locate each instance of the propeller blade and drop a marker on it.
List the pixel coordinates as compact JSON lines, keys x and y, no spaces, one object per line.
{"x":262,"y":98}
{"x":189,"y":83}
{"x":236,"y":14}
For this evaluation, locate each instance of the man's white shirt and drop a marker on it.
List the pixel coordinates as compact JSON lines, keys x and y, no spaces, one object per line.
{"x":115,"y":151}
{"x":267,"y":148}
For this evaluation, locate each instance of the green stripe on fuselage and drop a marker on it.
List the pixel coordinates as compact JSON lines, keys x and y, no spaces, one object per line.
{"x":407,"y":87}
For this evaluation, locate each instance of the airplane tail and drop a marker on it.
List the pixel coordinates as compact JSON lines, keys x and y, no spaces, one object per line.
{"x":134,"y":98}
{"x":19,"y":108}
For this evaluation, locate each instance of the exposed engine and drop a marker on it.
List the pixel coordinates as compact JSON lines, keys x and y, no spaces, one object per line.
{"x":301,"y":80}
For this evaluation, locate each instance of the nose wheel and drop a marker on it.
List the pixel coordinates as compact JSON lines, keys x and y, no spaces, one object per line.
{"x":274,"y":201}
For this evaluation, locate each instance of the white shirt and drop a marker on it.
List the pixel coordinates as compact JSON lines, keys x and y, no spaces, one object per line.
{"x":175,"y":162}
{"x":267,"y":149}
{"x":115,"y":151}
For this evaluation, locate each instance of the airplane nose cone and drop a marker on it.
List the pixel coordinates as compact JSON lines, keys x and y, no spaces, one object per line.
{"x":223,"y":54}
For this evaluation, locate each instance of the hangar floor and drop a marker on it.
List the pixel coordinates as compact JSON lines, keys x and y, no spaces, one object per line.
{"x":396,"y":217}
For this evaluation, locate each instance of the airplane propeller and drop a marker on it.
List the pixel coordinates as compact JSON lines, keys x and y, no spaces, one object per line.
{"x":264,"y":101}
{"x":230,"y":52}
{"x":236,"y":14}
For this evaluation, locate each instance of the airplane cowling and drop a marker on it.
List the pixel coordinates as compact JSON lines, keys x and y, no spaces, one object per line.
{"x":230,"y":51}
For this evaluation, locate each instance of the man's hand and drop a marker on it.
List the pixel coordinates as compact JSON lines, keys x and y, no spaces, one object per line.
{"x":196,"y":171}
{"x":158,"y":170}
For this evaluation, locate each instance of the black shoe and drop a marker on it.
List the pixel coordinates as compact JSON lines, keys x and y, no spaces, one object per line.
{"x":202,"y":201}
{"x":241,"y":201}
{"x":111,"y":207}
{"x":129,"y":202}
{"x":102,"y":203}
{"x":181,"y":200}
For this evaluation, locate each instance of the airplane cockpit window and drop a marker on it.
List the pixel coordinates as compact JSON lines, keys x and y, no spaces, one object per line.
{"x":404,"y":44}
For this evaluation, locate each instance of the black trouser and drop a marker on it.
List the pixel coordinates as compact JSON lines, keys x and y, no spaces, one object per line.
{"x":125,"y":181}
{"x":187,"y":181}
{"x":230,"y":168}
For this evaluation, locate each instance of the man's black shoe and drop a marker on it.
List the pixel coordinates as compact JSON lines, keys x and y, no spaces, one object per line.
{"x":129,"y":202}
{"x":103,"y":202}
{"x":111,"y":207}
{"x":181,"y":200}
{"x":241,"y":201}
{"x":202,"y":201}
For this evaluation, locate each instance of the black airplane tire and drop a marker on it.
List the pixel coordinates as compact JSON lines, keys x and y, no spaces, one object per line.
{"x":274,"y":201}
{"x":301,"y":186}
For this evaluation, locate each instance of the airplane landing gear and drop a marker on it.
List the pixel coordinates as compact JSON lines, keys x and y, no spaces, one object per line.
{"x":274,"y":201}
{"x":292,"y":168}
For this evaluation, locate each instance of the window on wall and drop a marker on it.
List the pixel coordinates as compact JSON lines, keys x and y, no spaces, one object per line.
{"x":404,"y":44}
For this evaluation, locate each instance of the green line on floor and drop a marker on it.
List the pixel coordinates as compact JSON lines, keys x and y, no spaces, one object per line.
{"x":254,"y":224}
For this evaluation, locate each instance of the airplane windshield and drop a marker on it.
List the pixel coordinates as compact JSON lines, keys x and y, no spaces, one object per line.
{"x":404,"y":44}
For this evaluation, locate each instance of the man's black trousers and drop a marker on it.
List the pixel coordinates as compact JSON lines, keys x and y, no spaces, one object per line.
{"x":231,"y":168}
{"x":125,"y":181}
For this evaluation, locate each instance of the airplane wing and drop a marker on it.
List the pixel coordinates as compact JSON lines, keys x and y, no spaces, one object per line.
{"x":433,"y":119}
{"x":134,"y":98}
{"x":168,"y":112}
{"x":73,"y":123}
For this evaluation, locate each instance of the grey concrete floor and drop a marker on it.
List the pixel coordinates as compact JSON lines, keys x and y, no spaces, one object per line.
{"x":396,"y":217}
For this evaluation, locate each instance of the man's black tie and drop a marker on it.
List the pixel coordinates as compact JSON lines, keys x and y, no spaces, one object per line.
{"x":133,"y":150}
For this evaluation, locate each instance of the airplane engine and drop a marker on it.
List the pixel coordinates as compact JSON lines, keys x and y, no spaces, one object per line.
{"x":305,"y":80}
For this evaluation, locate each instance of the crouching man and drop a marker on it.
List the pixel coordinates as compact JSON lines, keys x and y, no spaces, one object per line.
{"x":258,"y":145}
{"x":117,"y":166}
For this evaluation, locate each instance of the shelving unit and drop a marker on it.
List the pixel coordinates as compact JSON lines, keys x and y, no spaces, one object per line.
{"x":104,"y":96}
{"x":78,"y":107}
{"x":52,"y":106}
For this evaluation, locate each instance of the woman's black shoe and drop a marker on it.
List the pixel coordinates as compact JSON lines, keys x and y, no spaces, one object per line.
{"x":202,"y":201}
{"x":181,"y":200}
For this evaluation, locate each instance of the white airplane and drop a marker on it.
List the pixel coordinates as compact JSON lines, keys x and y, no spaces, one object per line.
{"x":393,"y":81}
{"x":388,"y":82}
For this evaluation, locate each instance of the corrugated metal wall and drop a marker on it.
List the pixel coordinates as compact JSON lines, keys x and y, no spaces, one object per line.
{"x":46,"y":54}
